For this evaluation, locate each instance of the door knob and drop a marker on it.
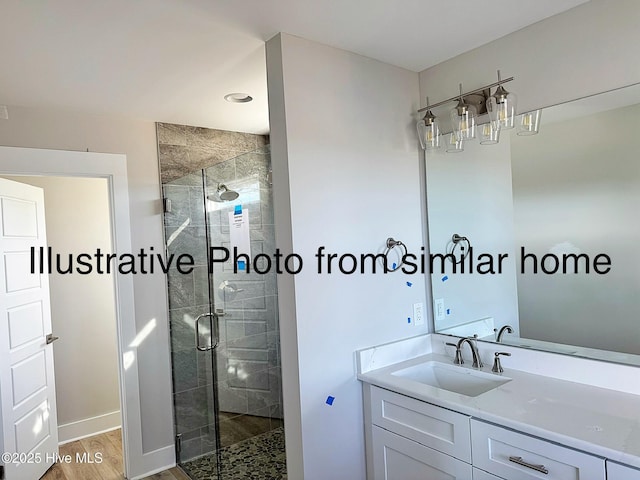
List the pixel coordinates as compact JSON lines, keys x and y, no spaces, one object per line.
{"x":51,"y":338}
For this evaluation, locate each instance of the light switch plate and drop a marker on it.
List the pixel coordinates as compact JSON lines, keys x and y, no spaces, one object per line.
{"x":418,"y":313}
{"x":438,"y":308}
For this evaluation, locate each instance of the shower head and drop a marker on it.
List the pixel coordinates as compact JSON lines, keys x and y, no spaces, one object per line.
{"x":223,"y":194}
{"x":226,"y":194}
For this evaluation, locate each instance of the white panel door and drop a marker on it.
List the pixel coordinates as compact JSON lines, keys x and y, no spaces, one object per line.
{"x":27,"y":388}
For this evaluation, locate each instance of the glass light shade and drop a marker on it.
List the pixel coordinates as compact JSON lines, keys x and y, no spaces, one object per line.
{"x":463,"y":121}
{"x":502,"y":108}
{"x":454,"y":143}
{"x":429,"y":132}
{"x":488,"y":133}
{"x":529,"y":123}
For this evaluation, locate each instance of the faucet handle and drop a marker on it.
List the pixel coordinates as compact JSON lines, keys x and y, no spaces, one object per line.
{"x":458,"y":360}
{"x":497,"y":366}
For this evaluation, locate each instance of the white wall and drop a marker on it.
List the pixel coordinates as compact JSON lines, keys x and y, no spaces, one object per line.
{"x":469,"y":193}
{"x":346,"y":176}
{"x":64,"y":130}
{"x":82,"y":307}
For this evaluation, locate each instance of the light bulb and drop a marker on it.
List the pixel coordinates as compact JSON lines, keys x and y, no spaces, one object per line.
{"x":489,"y":134}
{"x":502,"y":113}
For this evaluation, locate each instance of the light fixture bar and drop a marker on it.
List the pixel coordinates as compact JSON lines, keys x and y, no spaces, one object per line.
{"x":457,"y":97}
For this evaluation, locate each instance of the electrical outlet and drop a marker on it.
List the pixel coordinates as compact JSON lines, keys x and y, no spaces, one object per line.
{"x":439,"y":308}
{"x":418,"y":313}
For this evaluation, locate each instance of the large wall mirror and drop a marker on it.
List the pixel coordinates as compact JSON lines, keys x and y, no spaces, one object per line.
{"x":570,"y":192}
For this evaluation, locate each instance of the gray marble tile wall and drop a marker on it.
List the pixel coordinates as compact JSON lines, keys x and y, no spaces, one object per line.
{"x":247,"y":360}
{"x":183,"y":149}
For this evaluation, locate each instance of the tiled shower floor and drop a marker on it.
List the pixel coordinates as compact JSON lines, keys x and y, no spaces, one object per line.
{"x":258,"y":458}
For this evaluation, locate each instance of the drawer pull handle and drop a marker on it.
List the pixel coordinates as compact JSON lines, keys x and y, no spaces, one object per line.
{"x":537,"y":468}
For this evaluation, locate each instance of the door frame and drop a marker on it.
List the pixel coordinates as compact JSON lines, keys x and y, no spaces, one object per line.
{"x":113,"y":168}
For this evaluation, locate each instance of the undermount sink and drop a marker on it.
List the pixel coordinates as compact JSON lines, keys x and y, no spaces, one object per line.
{"x":453,"y":378}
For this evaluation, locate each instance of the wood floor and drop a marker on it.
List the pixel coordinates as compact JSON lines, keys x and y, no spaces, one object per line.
{"x":109,"y":445}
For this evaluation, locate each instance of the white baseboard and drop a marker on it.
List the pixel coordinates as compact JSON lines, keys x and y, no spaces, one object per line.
{"x":88,"y":427}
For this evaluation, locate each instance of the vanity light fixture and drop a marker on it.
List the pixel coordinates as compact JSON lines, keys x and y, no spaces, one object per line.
{"x":501,"y":110}
{"x":463,"y":119}
{"x":502,"y":107}
{"x":429,"y":131}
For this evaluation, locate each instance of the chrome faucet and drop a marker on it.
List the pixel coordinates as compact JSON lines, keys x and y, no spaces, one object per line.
{"x":477,"y":362}
{"x":497,"y":366}
{"x":458,"y":359}
{"x":507,"y":328}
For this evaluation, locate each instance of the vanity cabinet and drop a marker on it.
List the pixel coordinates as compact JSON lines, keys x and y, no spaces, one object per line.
{"x":615,"y":471}
{"x":513,"y":455}
{"x":410,"y":439}
{"x":482,"y":475}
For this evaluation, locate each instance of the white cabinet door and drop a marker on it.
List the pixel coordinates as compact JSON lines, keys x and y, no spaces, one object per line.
{"x":29,"y":428}
{"x":430,"y":425}
{"x":482,"y":475}
{"x":615,"y":471}
{"x":398,"y":458}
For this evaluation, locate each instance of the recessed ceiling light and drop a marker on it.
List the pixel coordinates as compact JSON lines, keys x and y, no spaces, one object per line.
{"x":238,"y":98}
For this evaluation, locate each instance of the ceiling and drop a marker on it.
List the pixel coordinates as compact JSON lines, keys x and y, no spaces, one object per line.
{"x":174,"y":60}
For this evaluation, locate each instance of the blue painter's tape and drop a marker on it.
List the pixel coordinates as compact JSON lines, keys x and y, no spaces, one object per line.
{"x":445,"y":278}
{"x":242,"y":265}
{"x":448,"y":311}
{"x":409,"y":284}
{"x":237,"y":210}
{"x":330,"y":400}
{"x":408,"y":319}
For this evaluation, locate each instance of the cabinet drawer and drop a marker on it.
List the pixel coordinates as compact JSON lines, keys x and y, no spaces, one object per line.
{"x":514,"y":455}
{"x":397,"y":458}
{"x":615,"y":471}
{"x":482,"y":475}
{"x":435,"y":427}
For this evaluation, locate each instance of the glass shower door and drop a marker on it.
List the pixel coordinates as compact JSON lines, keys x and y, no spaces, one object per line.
{"x":224,"y":323}
{"x":248,"y":377}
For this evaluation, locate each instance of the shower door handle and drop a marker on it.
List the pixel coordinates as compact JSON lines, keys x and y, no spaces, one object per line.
{"x":213,"y":327}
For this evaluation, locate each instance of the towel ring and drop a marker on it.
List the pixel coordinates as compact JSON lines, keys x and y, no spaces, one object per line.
{"x":391,"y":244}
{"x":457,"y":240}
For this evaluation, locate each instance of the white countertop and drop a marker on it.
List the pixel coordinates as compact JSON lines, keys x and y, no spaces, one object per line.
{"x":597,"y":420}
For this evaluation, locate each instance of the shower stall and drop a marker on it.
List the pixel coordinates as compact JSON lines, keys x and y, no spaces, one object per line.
{"x":224,"y":321}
